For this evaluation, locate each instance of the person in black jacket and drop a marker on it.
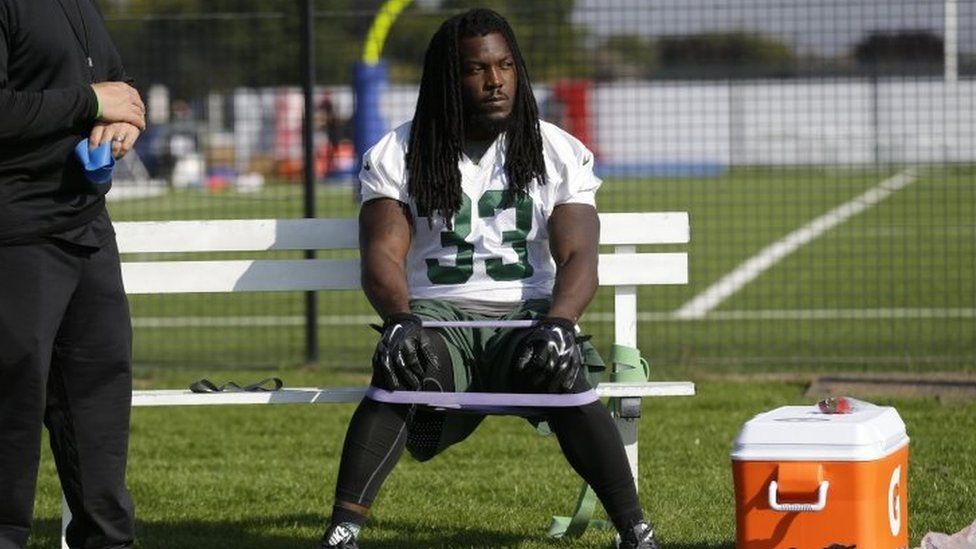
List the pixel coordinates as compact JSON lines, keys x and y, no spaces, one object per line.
{"x":65,"y":332}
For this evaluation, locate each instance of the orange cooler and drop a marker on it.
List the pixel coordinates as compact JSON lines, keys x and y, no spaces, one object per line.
{"x":809,"y":480}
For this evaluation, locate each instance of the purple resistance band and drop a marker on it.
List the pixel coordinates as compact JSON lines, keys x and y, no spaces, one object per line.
{"x":479,"y":323}
{"x":486,"y":403}
{"x":483,"y":403}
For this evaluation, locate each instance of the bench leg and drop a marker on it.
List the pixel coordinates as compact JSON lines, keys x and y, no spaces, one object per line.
{"x":65,"y":519}
{"x":626,"y":414}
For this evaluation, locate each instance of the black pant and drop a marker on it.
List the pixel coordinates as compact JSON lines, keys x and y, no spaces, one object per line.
{"x":65,"y":360}
{"x":379,"y":432}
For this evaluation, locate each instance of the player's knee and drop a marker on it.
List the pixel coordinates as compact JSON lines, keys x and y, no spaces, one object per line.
{"x":424,"y":433}
{"x":440,"y":378}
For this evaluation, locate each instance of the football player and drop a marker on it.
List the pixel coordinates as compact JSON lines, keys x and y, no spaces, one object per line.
{"x":476,"y":210}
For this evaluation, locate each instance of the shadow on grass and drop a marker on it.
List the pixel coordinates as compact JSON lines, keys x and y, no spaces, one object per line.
{"x":194,"y":534}
{"x":273,"y":533}
{"x":729,"y":545}
{"x":422,"y":536}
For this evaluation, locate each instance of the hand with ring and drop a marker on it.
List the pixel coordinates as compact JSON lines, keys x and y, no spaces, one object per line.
{"x":122,"y":135}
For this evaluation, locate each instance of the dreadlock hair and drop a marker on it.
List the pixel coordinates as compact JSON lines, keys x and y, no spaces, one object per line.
{"x":437,"y":132}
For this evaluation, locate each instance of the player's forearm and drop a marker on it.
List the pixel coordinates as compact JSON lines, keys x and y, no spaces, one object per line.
{"x":384,"y":241}
{"x":385,"y":285}
{"x":576,"y":284}
{"x":574,"y":241}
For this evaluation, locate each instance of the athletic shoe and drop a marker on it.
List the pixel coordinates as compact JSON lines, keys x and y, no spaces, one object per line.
{"x":641,"y":536}
{"x":341,"y":536}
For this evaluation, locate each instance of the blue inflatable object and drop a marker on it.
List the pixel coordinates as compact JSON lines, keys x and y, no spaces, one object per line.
{"x":97,"y":163}
{"x":369,"y":83}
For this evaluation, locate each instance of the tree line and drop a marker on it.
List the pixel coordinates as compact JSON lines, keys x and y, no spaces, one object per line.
{"x":195,"y":46}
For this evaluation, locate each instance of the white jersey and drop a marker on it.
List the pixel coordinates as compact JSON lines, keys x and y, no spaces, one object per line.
{"x":492,"y":254}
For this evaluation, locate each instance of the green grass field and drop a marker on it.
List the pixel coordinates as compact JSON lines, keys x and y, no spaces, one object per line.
{"x":261,"y":478}
{"x":258,"y":477}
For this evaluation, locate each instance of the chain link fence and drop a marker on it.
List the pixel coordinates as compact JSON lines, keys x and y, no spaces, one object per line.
{"x":826,"y":152}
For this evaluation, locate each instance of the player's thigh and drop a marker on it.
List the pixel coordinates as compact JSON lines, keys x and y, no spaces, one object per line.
{"x":455,"y":347}
{"x":502,"y":351}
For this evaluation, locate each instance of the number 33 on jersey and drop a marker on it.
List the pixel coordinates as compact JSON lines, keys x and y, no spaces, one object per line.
{"x":494,"y":251}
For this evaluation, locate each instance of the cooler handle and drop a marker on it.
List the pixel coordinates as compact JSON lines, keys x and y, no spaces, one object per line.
{"x":798,"y":507}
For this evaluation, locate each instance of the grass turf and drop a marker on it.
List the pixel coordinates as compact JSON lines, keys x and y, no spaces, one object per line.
{"x":262,"y":477}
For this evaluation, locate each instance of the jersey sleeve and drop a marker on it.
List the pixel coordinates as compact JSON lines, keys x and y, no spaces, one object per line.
{"x":578,"y":183}
{"x":383,"y":173}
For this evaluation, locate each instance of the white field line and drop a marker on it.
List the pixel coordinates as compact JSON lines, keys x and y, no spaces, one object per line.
{"x":710,"y":298}
{"x":819,"y":314}
{"x":769,"y":314}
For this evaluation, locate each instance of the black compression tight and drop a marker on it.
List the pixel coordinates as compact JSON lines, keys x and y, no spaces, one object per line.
{"x":588,"y":438}
{"x":592,"y":445}
{"x":377,"y":435}
{"x":374,"y":443}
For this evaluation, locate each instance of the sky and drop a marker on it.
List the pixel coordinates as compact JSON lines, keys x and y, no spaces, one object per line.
{"x":821,"y":27}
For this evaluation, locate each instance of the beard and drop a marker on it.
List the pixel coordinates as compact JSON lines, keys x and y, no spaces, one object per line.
{"x":487,"y":124}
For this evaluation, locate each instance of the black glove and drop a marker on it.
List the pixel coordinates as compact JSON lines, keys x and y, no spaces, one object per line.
{"x":549,"y":358}
{"x":403,"y":355}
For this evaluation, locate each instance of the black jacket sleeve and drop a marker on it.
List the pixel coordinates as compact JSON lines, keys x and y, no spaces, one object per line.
{"x":29,"y":115}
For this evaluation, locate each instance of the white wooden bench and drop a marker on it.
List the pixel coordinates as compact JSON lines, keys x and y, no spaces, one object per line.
{"x":624,"y":269}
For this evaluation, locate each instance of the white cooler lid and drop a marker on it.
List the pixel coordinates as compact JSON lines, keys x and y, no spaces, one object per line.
{"x":804,"y":433}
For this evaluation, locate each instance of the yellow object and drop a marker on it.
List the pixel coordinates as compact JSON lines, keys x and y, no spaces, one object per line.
{"x":381,"y":28}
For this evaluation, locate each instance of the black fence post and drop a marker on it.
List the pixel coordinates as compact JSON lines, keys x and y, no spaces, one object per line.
{"x":308,"y":172}
{"x":875,"y":117}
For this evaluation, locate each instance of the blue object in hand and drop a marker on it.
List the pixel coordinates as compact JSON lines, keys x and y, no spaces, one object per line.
{"x":97,"y":162}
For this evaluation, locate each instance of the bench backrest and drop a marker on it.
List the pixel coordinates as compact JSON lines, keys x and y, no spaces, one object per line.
{"x":624,"y":269}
